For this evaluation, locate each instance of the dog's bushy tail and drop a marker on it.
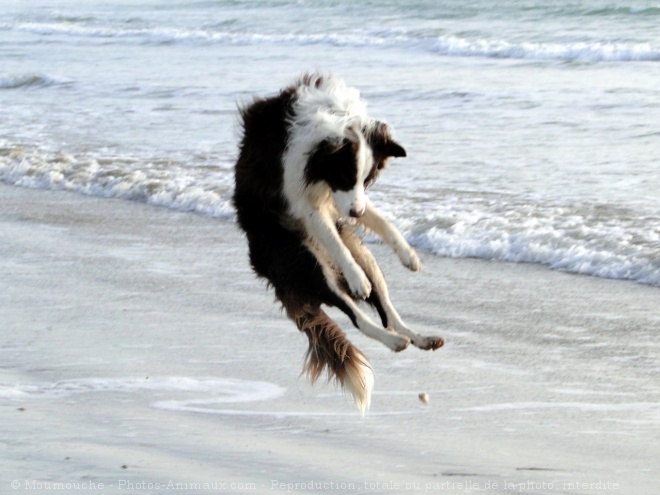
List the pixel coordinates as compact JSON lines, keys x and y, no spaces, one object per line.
{"x":330,"y":350}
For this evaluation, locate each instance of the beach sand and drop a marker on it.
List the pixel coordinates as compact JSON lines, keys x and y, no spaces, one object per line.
{"x":139,"y":353}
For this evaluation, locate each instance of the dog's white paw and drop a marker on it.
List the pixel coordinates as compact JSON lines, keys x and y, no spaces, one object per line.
{"x":428,"y":343}
{"x":410,"y":260}
{"x":398,"y":343}
{"x":358,"y":282}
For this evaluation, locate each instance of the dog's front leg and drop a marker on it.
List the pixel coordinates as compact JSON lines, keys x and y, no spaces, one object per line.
{"x":322,"y":231}
{"x":374,"y":221}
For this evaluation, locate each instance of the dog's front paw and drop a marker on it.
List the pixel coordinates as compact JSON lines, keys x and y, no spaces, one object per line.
{"x":358,"y":282}
{"x":410,"y":260}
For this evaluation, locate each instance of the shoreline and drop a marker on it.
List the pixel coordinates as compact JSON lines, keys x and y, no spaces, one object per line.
{"x":137,"y":336}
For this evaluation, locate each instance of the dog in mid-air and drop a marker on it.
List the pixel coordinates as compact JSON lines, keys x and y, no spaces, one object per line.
{"x":306,"y":158}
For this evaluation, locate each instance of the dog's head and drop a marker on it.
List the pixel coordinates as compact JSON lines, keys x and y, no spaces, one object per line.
{"x":350,"y":165}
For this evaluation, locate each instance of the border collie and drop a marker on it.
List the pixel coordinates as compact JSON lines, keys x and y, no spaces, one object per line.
{"x":306,"y":157}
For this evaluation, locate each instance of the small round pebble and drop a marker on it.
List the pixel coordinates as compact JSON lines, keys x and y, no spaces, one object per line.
{"x":424,"y":397}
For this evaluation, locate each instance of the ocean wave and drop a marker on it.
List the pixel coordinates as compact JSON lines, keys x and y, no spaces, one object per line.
{"x":157,"y":182}
{"x":546,"y":248}
{"x":166,"y":35}
{"x":601,"y":51}
{"x":577,"y":10}
{"x":445,"y":45}
{"x":621,"y":11}
{"x":591,"y":240}
{"x":596,"y":240}
{"x":31,"y":81}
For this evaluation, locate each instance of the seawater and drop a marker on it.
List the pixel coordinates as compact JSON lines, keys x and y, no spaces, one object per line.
{"x":531,"y":127}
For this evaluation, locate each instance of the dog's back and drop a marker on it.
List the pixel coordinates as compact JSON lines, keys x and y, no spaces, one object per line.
{"x":258,"y":173}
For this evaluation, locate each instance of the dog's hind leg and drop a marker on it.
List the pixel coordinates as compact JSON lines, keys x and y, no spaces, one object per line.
{"x":336,"y":296}
{"x":362,"y":322}
{"x":379,"y":297}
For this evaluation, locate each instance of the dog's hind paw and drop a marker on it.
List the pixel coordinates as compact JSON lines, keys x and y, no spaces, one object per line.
{"x":428,"y":343}
{"x":399,"y":343}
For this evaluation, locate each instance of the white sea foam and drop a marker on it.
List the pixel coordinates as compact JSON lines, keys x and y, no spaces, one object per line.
{"x":206,"y":406}
{"x":33,"y":80}
{"x":550,"y":247}
{"x":157,"y":182}
{"x":592,"y":51}
{"x":651,"y":407}
{"x":215,"y":392}
{"x":582,"y":240}
{"x":445,"y":45}
{"x":228,"y":390}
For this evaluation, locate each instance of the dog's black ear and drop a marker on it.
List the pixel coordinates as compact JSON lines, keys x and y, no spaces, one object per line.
{"x":380,"y":138}
{"x":392,"y":148}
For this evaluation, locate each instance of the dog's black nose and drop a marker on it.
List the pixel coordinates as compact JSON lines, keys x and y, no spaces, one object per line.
{"x":357,"y":214}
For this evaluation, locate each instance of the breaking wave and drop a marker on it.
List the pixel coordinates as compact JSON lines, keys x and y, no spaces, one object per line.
{"x":158,"y":182}
{"x":594,"y":240}
{"x":31,"y":81}
{"x":444,"y":45}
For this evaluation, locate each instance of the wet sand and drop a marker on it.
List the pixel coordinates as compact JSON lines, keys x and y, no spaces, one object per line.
{"x":139,"y":353}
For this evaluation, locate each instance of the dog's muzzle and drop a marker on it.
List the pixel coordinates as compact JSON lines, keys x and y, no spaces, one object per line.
{"x":357,"y":213}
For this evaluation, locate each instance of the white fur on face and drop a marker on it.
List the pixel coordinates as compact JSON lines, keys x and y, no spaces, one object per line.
{"x":350,"y":201}
{"x":355,"y":200}
{"x":323,"y":112}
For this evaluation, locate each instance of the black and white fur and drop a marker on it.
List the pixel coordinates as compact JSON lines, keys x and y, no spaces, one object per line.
{"x":306,"y":158}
